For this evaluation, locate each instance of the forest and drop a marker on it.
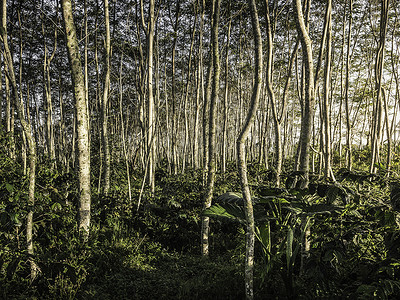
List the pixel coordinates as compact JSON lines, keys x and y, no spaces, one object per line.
{"x":200,"y":149}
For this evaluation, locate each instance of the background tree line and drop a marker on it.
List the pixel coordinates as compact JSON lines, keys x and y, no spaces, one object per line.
{"x":361,"y":62}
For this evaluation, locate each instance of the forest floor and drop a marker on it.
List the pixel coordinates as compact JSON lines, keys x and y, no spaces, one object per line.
{"x":155,"y":253}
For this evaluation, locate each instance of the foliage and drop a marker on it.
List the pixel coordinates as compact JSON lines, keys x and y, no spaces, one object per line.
{"x":353,"y":236}
{"x":351,"y":225}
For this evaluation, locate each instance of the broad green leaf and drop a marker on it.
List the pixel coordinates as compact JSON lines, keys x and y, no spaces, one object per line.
{"x":230,"y":197}
{"x":227,"y":211}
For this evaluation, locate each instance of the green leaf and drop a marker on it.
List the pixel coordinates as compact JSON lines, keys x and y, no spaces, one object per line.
{"x":15,"y":220}
{"x":10,"y":188}
{"x":226,"y":211}
{"x":264,"y":236}
{"x":272,"y":199}
{"x":56,"y":206}
{"x":230,"y":197}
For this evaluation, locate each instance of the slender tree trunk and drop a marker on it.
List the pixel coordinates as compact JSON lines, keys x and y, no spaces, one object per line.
{"x":225,"y":102}
{"x":326,"y":103}
{"x":348,"y":122}
{"x":150,"y":97}
{"x":104,"y":111}
{"x":241,"y":152}
{"x":309,"y":97}
{"x":82,"y":119}
{"x":206,"y":106}
{"x":125,"y":152}
{"x":47,"y":94}
{"x":175,"y":124}
{"x":186,"y":99}
{"x":62,"y":140}
{"x":277,"y":117}
{"x":388,"y":133}
{"x":211,"y":128}
{"x":379,"y":63}
{"x":9,"y":114}
{"x":27,"y":132}
{"x":199,"y":90}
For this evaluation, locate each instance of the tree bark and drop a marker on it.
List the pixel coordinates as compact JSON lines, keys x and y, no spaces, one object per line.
{"x":47,"y":95}
{"x":348,"y":122}
{"x":205,"y":228}
{"x":125,"y":151}
{"x":379,"y":64}
{"x":241,"y":152}
{"x":309,"y":97}
{"x":175,"y":124}
{"x":149,"y":29}
{"x":27,"y":132}
{"x":326,"y":103}
{"x":225,"y":102}
{"x":82,"y":119}
{"x":104,"y":110}
{"x":199,"y":91}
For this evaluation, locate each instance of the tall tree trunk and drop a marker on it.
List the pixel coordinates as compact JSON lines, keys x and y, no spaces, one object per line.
{"x":206,"y":103}
{"x":241,"y":152}
{"x":125,"y":152}
{"x":104,"y":111}
{"x":82,"y":119}
{"x":9,"y":113}
{"x":379,"y":64}
{"x":175,"y":124}
{"x":150,"y":97}
{"x":326,"y":103}
{"x":225,"y":102}
{"x":186,"y":99}
{"x":348,"y":122}
{"x":27,"y":132}
{"x":47,"y":95}
{"x":309,"y":97}
{"x":277,"y":116}
{"x":205,"y":228}
{"x":199,"y":90}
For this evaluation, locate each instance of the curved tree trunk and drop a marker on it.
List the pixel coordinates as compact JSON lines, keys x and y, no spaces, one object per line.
{"x":241,"y":153}
{"x":309,"y":97}
{"x":27,"y":132}
{"x":379,"y":63}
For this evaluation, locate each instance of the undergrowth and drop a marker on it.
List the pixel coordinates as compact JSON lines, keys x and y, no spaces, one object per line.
{"x":154,"y":253}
